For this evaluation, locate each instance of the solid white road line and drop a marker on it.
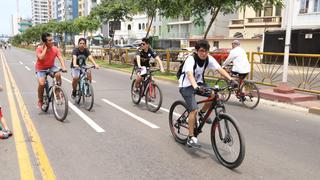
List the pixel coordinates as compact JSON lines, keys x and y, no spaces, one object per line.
{"x":163,"y":109}
{"x":20,"y":62}
{"x":88,"y":120}
{"x":27,"y":68}
{"x":131,"y":114}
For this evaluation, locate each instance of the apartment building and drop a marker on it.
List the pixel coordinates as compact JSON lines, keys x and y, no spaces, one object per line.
{"x":305,"y":35}
{"x":40,"y":11}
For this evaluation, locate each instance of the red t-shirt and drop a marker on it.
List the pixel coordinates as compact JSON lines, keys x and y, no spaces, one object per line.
{"x":49,"y":58}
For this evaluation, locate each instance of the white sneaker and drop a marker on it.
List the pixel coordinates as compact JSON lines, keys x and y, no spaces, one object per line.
{"x":193,"y":142}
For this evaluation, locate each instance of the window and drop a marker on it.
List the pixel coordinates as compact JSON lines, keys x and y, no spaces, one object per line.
{"x":258,"y":13}
{"x":316,"y":6}
{"x":304,"y":5}
{"x":129,"y":27}
{"x":143,"y":26}
{"x":139,"y":26}
{"x":154,"y":30}
{"x":216,"y":44}
{"x":268,"y":9}
{"x":278,"y":11}
{"x":159,"y":30}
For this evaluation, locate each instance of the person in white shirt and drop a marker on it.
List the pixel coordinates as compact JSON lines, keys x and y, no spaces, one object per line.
{"x":238,"y":56}
{"x":191,"y":80}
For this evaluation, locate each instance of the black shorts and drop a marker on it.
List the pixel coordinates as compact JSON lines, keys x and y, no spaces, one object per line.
{"x":241,"y":75}
{"x":189,"y":96}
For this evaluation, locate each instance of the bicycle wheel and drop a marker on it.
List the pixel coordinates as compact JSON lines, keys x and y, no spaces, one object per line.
{"x":250,"y":95}
{"x":153,"y":97}
{"x":45,"y":101}
{"x":226,"y":93}
{"x":135,"y":96}
{"x":59,"y":103}
{"x":178,"y":121}
{"x":88,"y":96}
{"x":227,"y":141}
{"x":77,"y":99}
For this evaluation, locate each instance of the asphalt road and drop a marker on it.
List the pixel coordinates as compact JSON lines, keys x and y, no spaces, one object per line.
{"x":282,"y":142}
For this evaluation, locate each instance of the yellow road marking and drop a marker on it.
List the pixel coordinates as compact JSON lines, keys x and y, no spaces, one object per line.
{"x":26,"y":171}
{"x":38,"y":149}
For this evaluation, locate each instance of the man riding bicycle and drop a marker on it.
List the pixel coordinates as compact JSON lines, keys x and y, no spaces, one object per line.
{"x":46,"y":54}
{"x":79,"y":57}
{"x":143,"y":56}
{"x":192,"y":80}
{"x":238,"y":56}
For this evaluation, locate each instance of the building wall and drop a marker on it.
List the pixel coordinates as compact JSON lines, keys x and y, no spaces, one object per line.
{"x":304,"y":18}
{"x":40,"y":11}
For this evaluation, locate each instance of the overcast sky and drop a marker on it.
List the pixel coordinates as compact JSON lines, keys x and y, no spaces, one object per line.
{"x":8,"y":8}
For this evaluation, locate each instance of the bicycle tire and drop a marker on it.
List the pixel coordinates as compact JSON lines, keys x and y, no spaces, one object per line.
{"x":219,"y":135}
{"x":136,"y":98}
{"x":60,"y":100}
{"x":224,"y":95}
{"x":250,"y":99}
{"x":178,"y":117}
{"x":88,"y":94}
{"x":77,"y":99}
{"x":151,"y":94}
{"x":45,"y":101}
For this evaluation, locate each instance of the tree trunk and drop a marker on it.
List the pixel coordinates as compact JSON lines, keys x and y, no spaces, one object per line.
{"x":214,"y":15}
{"x":149,"y":26}
{"x":110,"y":44}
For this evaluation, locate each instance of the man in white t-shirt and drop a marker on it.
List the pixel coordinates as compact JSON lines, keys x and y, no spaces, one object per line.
{"x":192,"y":81}
{"x":238,"y":56}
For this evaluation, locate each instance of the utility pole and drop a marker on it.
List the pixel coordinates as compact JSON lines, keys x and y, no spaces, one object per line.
{"x":289,"y":15}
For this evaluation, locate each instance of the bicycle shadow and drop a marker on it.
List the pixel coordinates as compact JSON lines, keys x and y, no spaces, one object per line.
{"x":203,"y":152}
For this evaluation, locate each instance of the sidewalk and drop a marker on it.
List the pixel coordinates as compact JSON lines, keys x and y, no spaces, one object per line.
{"x":306,"y":100}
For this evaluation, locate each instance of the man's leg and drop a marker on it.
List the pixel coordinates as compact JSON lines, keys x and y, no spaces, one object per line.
{"x":75,"y":73}
{"x":89,"y":75}
{"x":41,"y":85}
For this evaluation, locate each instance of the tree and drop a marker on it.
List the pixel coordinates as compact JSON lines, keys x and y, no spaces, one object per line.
{"x":200,"y":8}
{"x":113,"y":10}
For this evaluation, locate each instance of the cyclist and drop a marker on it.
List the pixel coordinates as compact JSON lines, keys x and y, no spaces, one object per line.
{"x":143,"y":56}
{"x":192,"y":80}
{"x":79,"y":57}
{"x":238,"y":56}
{"x":46,"y":54}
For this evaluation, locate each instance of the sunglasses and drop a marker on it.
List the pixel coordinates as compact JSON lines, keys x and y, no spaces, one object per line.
{"x":142,"y":44}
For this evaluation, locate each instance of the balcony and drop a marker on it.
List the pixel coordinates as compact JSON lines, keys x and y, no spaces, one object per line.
{"x":178,"y":35}
{"x":256,"y":21}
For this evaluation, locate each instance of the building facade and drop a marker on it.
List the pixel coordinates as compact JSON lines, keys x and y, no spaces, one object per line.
{"x":40,"y":11}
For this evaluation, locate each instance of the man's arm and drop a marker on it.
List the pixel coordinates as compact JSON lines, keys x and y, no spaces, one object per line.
{"x":160,"y":63}
{"x":74,"y":61}
{"x":43,"y":53}
{"x":229,"y":59}
{"x":138,"y":61}
{"x":61,"y":62}
{"x":93,"y":62}
{"x":224,"y":73}
{"x":192,"y":79}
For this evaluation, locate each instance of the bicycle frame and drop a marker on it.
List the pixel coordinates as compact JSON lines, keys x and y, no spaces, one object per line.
{"x":146,"y":80}
{"x":49,"y":88}
{"x":215,"y":105}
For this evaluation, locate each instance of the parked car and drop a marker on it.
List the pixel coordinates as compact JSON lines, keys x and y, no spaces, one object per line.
{"x":220,"y":54}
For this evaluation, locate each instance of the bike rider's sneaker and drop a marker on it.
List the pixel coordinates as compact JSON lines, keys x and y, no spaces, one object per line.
{"x":4,"y":135}
{"x":73,"y":94}
{"x":193,"y":142}
{"x":202,"y":114}
{"x":8,"y":131}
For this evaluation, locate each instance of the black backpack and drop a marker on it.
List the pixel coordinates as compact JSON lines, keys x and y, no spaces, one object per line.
{"x":195,"y":57}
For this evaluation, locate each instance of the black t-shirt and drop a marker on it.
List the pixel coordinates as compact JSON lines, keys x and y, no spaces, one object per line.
{"x":145,"y":56}
{"x":81,"y":56}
